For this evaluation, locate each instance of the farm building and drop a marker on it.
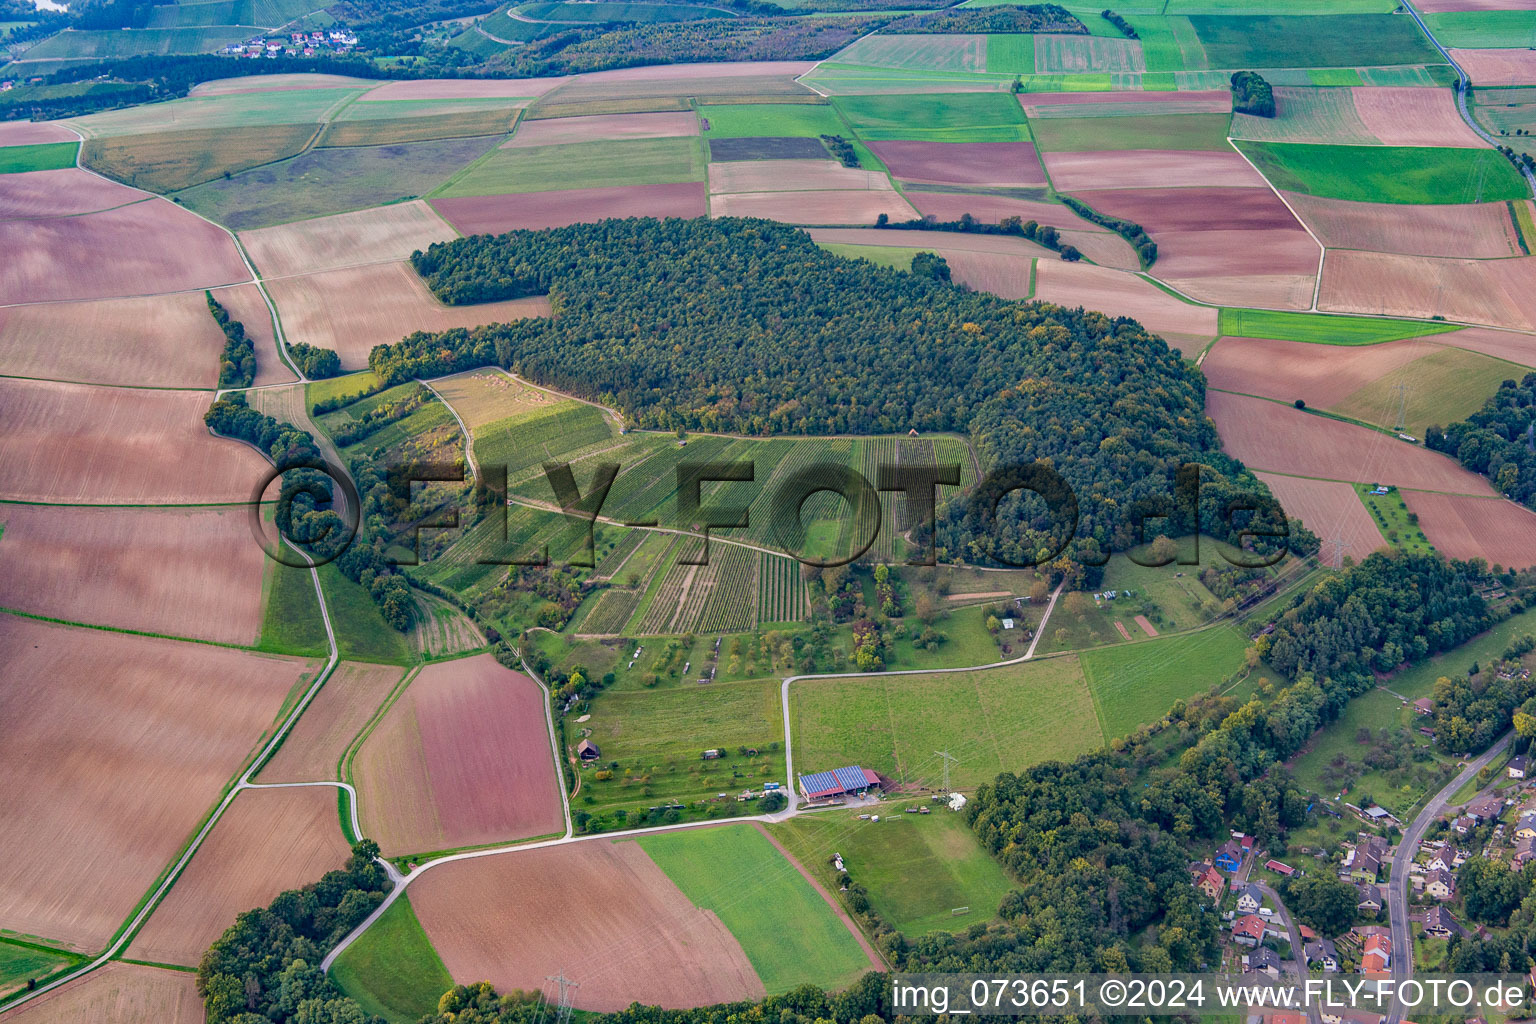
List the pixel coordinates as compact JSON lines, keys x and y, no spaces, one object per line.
{"x":588,"y":751}
{"x":838,"y":783}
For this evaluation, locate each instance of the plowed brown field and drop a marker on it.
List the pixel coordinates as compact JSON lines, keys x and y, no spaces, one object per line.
{"x":1150,"y":168}
{"x":598,"y":910}
{"x":991,"y":209}
{"x":116,"y":747}
{"x":1119,"y":294}
{"x":118,"y":993}
{"x":268,"y":841}
{"x":603,"y":127}
{"x":962,"y":163}
{"x":1322,"y":375}
{"x":148,"y":247}
{"x":353,"y":309}
{"x":474,"y":215}
{"x":462,"y":759}
{"x":1497,"y":531}
{"x":1331,"y":510}
{"x":462,"y":89}
{"x":1517,"y":348}
{"x":61,"y":193}
{"x":82,"y":444}
{"x":1496,"y":292}
{"x":839,"y":207}
{"x":1497,"y":67}
{"x":181,"y":572}
{"x":1268,"y":435}
{"x":1406,"y":116}
{"x":791,"y":176}
{"x":331,"y":722}
{"x":1474,"y":230}
{"x":383,"y":234}
{"x":167,"y":341}
{"x":33,"y":133}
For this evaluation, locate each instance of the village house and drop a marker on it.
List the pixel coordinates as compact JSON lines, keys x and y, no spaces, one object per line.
{"x":1229,"y":856}
{"x":588,"y":751}
{"x":1424,"y":706}
{"x":1439,"y":884}
{"x":1525,"y":852}
{"x":1370,"y":898}
{"x":1363,"y":863}
{"x":1249,"y":930}
{"x":1249,"y":900}
{"x":1447,"y":858}
{"x":1322,"y":953}
{"x":1209,"y":881}
{"x":1376,"y":955}
{"x":1525,"y":828}
{"x":1485,"y":809}
{"x":1262,"y":961}
{"x":1439,"y":923}
{"x":1462,"y":824}
{"x":1518,"y":766}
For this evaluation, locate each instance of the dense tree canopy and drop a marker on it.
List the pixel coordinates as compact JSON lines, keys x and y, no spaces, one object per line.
{"x":1496,"y":441}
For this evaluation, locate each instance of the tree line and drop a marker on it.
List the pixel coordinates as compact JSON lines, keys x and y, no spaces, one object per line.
{"x":1043,"y":235}
{"x":1132,"y":232}
{"x":1497,"y":440}
{"x":237,"y":364}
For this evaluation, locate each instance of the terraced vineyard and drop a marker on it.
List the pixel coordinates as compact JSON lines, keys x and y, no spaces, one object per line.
{"x":529,"y":439}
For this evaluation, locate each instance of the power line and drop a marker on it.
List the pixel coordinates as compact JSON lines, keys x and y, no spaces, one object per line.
{"x":947,"y":759}
{"x":565,"y":984}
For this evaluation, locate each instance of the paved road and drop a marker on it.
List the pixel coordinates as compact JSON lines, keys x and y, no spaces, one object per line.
{"x":1298,"y":962}
{"x":1397,"y":888}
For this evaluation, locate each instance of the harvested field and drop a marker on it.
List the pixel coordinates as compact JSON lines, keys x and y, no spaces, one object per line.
{"x":1308,"y":114}
{"x":1493,"y":529}
{"x":33,"y":133}
{"x":962,"y":163}
{"x":473,"y":215}
{"x":791,"y":147}
{"x":602,"y":127}
{"x":165,"y":341}
{"x":1493,"y":292}
{"x":245,"y":303}
{"x":1473,"y":230}
{"x":78,"y":443}
{"x":485,"y":396}
{"x":837,"y":207}
{"x":384,"y":234}
{"x":1445,"y":385}
{"x":1140,"y":128}
{"x":114,"y":252}
{"x":1497,"y":67}
{"x":1120,"y":294}
{"x":1149,"y":168}
{"x":1078,"y":54}
{"x":1280,"y":291}
{"x":332,"y":721}
{"x":462,"y":89}
{"x":581,"y":165}
{"x":168,"y":161}
{"x":61,"y":193}
{"x":141,"y":568}
{"x":117,"y":746}
{"x":462,"y":759}
{"x":1007,"y":276}
{"x":1517,"y":348}
{"x":919,"y":52}
{"x":705,"y":81}
{"x":353,"y":309}
{"x":1278,"y":438}
{"x":1414,"y":117}
{"x":276,"y":83}
{"x":119,"y":993}
{"x":1321,"y":375}
{"x":1330,"y":509}
{"x":268,"y":841}
{"x":991,"y":209}
{"x":931,"y":241}
{"x":1212,"y":101}
{"x":420,"y":127}
{"x":231,"y":111}
{"x":599,"y":908}
{"x":791,"y":176}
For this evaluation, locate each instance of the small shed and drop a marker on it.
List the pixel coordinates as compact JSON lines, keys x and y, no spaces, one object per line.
{"x":588,"y":751}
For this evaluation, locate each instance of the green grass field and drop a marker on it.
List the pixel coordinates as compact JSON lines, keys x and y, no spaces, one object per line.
{"x":1011,"y":54}
{"x":789,"y":933}
{"x":1391,"y":516}
{"x":992,"y":720}
{"x":324,"y":181}
{"x":917,"y":868}
{"x":657,"y":737}
{"x":392,"y":969}
{"x":1388,"y":174}
{"x":100,"y":44}
{"x":237,"y":110}
{"x":771,"y":120}
{"x":1134,"y":684}
{"x":1476,"y":30}
{"x":581,"y":165}
{"x":290,"y":621}
{"x":361,"y":632}
{"x":19,"y":963}
{"x":1150,"y":131}
{"x":1322,"y":329}
{"x":1446,"y":385}
{"x":1419,"y":681}
{"x":893,"y":256}
{"x":1338,"y":40}
{"x":49,"y":156}
{"x":954,"y":117}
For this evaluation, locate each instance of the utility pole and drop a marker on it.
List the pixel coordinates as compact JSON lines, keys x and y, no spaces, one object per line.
{"x":947,"y":758}
{"x":1337,"y":544}
{"x":565,"y":984}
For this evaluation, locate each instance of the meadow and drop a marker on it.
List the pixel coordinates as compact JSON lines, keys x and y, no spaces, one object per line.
{"x":1013,"y":54}
{"x":991,"y":720}
{"x":1474,"y":30}
{"x":1234,"y":41}
{"x":1134,"y":684}
{"x":580,"y":165}
{"x":1388,"y":174}
{"x":324,"y":181}
{"x":1419,"y":681}
{"x":169,"y":161}
{"x":788,"y":931}
{"x":1390,"y":514}
{"x":361,"y":632}
{"x":935,"y":52}
{"x":643,"y":13}
{"x":291,"y":622}
{"x":386,"y":131}
{"x":392,"y":969}
{"x":19,"y":963}
{"x":1321,"y":329}
{"x":952,"y":117}
{"x":918,"y":868}
{"x":770,"y":120}
{"x":47,"y":156}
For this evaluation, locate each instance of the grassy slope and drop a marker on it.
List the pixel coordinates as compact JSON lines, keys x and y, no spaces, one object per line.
{"x":392,"y":970}
{"x":1388,"y":174}
{"x":789,"y":933}
{"x":1375,"y":710}
{"x":168,"y":161}
{"x":48,"y":156}
{"x":917,"y":868}
{"x":993,"y":720}
{"x":1323,"y":330}
{"x":1390,"y":513}
{"x":1137,"y":683}
{"x":1419,"y":681}
{"x":290,"y":620}
{"x":1012,"y":54}
{"x":361,"y":632}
